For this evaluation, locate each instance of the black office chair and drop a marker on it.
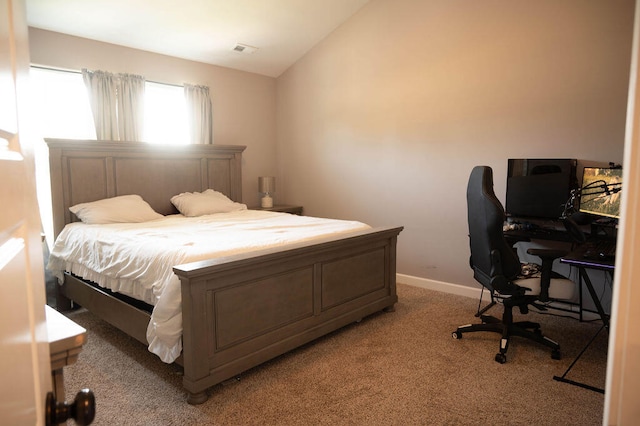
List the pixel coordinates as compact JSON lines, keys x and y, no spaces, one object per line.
{"x":497,"y":267}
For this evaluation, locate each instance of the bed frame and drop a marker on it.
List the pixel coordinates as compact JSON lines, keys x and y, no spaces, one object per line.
{"x":238,"y":311}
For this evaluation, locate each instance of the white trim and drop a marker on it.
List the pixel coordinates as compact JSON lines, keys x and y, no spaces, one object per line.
{"x":460,"y":290}
{"x":474,"y":293}
{"x":623,"y":360}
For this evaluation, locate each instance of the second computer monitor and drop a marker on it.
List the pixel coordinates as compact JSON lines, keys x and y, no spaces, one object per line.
{"x":601,"y":191}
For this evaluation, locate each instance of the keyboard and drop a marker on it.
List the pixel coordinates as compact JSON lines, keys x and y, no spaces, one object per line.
{"x":601,"y":249}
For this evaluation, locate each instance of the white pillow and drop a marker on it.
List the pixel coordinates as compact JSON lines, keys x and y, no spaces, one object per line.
{"x":208,"y":202}
{"x":125,"y":208}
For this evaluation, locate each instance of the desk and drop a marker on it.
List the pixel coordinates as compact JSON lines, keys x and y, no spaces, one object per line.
{"x":538,"y":234}
{"x":577,"y":259}
{"x":66,"y":339}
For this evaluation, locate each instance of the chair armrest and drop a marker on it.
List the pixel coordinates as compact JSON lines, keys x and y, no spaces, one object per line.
{"x":547,"y":256}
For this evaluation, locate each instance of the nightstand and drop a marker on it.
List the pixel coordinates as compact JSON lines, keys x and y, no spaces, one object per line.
{"x":284,"y":208}
{"x":66,"y":339}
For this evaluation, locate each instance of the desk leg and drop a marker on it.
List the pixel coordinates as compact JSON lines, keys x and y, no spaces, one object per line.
{"x":564,"y":379}
{"x":583,"y":275}
{"x":594,"y":296}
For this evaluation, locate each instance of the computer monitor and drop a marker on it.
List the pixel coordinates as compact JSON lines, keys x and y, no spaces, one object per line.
{"x":601,"y":191}
{"x":539,"y":188}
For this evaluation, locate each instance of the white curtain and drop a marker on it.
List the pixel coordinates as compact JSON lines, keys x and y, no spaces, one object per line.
{"x":102,"y":97}
{"x":199,"y":114}
{"x":117,"y":104}
{"x":130,"y":107}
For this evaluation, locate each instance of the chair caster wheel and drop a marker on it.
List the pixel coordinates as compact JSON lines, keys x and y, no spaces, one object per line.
{"x":501,"y":358}
{"x":456,"y":335}
{"x":555,"y":354}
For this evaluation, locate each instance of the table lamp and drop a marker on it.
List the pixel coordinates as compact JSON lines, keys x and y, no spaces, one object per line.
{"x":267,"y":186}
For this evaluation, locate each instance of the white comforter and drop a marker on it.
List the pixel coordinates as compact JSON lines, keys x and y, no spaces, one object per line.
{"x":136,"y":259}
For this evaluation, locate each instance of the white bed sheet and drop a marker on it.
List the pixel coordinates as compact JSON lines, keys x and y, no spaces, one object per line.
{"x":136,"y":259}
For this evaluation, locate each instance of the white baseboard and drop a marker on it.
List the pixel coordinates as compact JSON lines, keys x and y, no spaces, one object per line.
{"x":460,"y":290}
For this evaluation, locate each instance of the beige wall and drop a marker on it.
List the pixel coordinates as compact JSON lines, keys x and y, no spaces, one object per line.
{"x":384,"y":119}
{"x":243,"y":103}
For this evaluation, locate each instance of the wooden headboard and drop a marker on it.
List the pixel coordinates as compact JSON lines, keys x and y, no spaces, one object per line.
{"x":89,"y":170}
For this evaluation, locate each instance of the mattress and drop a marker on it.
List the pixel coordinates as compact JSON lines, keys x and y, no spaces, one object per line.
{"x":137,"y":259}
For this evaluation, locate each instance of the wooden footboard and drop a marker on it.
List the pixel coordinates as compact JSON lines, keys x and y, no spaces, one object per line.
{"x":241,"y":311}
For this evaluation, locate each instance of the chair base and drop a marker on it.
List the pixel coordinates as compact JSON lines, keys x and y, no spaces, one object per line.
{"x":527,"y":329}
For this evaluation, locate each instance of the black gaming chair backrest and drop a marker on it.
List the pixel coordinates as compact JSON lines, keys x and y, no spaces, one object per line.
{"x":486,"y":218}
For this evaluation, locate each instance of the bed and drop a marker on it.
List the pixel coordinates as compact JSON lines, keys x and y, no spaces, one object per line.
{"x":290,"y":295}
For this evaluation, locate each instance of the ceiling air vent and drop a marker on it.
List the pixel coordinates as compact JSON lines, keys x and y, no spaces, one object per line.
{"x":244,"y":48}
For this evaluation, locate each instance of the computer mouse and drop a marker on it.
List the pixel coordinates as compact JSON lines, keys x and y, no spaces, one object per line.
{"x":605,"y":256}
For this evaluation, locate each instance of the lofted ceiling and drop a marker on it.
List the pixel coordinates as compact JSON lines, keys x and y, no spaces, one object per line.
{"x":201,"y":30}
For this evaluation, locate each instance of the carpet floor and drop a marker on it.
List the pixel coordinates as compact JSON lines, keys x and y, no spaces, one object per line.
{"x":398,"y":368}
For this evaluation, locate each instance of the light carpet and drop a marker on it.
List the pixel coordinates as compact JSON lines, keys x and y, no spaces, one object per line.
{"x":398,"y":368}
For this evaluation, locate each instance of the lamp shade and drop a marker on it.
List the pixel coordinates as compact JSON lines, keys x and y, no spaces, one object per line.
{"x":266,"y":184}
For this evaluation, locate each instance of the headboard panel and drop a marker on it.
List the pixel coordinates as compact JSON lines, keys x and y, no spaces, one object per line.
{"x":89,"y":170}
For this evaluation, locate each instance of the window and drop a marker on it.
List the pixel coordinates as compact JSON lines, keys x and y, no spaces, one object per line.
{"x":165,"y":114}
{"x":63,"y":110}
{"x":61,"y":104}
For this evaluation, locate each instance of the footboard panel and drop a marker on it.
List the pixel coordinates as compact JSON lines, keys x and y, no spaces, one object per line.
{"x":248,"y":310}
{"x":241,"y":311}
